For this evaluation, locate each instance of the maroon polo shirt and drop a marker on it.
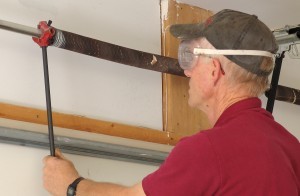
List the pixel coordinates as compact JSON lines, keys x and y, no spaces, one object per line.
{"x":245,"y":153}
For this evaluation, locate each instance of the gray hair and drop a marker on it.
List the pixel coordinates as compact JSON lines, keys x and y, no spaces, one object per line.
{"x":238,"y":77}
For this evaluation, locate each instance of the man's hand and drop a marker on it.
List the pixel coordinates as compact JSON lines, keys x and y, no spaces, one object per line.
{"x":59,"y":173}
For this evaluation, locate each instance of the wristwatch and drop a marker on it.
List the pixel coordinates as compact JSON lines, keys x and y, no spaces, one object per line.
{"x":71,"y":191}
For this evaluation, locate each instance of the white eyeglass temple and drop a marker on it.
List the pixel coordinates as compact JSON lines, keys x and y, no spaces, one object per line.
{"x":198,"y":51}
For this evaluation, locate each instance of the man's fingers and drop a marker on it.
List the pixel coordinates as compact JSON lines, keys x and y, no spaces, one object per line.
{"x":59,"y":154}
{"x":45,"y":159}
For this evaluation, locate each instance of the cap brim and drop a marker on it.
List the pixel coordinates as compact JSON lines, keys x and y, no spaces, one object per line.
{"x":187,"y":31}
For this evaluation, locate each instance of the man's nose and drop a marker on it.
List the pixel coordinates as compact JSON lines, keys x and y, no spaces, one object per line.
{"x":187,"y":72}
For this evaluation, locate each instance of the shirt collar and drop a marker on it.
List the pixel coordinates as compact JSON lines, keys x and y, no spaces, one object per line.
{"x":246,"y":104}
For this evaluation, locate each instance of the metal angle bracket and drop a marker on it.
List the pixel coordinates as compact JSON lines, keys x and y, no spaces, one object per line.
{"x":83,"y":147}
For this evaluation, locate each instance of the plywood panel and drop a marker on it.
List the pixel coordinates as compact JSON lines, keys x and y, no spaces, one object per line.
{"x":177,"y":115}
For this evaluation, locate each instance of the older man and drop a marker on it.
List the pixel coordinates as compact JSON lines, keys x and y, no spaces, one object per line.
{"x":228,"y":59}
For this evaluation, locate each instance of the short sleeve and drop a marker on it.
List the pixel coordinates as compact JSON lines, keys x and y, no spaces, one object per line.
{"x":190,"y":169}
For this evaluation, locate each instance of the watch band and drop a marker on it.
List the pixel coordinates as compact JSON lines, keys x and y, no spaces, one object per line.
{"x":71,"y":191}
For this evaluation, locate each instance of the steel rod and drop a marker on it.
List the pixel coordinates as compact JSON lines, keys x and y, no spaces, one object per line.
{"x":18,"y":28}
{"x":48,"y":101}
{"x":274,"y":83}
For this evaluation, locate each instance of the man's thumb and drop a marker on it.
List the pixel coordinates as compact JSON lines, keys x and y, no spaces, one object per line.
{"x":59,"y":154}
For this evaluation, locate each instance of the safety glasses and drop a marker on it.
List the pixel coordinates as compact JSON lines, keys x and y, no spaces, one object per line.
{"x":190,"y":50}
{"x":186,"y":57}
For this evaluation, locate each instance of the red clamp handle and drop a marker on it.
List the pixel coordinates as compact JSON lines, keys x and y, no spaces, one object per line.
{"x":47,"y":34}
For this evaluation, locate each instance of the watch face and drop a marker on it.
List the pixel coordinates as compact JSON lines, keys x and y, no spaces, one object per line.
{"x":71,"y":191}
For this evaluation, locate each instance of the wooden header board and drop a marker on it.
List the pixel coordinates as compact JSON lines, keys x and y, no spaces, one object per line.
{"x":177,"y":115}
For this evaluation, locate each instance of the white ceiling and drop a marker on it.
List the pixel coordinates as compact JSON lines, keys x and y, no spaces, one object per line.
{"x":274,"y":13}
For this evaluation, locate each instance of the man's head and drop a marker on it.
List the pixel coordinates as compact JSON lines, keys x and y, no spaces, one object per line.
{"x":246,"y":39}
{"x":243,"y":44}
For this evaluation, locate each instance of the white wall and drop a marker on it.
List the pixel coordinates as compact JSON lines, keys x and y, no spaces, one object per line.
{"x":80,"y":85}
{"x":88,"y":86}
{"x":21,"y":168}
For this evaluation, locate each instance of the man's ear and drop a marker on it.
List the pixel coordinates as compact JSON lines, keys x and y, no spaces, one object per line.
{"x":217,"y":71}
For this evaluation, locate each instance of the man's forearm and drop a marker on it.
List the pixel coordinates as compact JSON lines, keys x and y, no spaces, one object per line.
{"x":91,"y":188}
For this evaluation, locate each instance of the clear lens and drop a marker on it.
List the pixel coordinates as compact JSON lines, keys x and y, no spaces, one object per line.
{"x":186,"y":57}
